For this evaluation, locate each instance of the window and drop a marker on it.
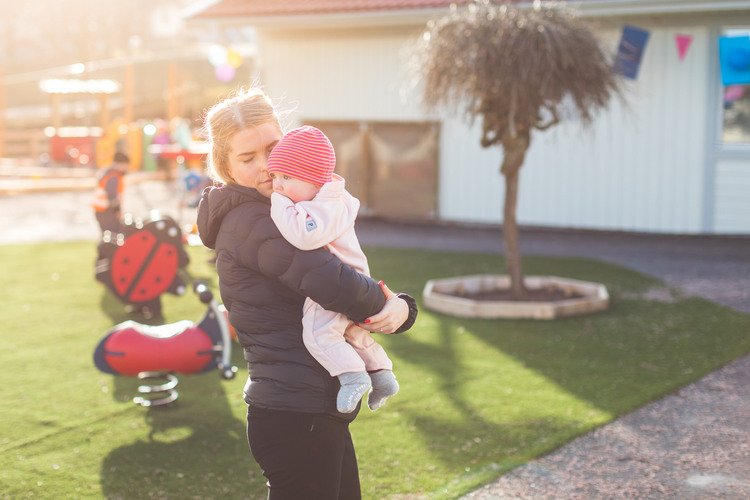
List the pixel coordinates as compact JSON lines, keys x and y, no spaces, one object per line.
{"x":736,"y":124}
{"x":736,"y":105}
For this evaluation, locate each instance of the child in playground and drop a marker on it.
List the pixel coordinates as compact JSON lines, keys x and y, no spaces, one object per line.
{"x":312,"y":209}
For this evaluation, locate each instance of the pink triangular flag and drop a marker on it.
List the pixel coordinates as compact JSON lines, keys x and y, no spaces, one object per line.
{"x":683,"y":44}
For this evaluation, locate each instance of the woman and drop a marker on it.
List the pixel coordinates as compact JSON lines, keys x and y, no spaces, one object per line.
{"x":295,"y":433}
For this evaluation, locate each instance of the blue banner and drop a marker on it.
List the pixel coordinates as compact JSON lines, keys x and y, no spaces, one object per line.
{"x":630,"y":51}
{"x":734,"y":58}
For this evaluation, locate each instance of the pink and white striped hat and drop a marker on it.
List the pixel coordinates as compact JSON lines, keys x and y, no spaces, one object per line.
{"x":304,"y":153}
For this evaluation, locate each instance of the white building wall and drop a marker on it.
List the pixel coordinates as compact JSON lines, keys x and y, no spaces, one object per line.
{"x":471,"y":186}
{"x":340,"y":76}
{"x":640,"y":167}
{"x":732,"y":200}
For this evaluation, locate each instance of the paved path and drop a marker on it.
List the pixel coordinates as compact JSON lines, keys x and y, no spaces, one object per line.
{"x":694,"y":444}
{"x":31,"y":215}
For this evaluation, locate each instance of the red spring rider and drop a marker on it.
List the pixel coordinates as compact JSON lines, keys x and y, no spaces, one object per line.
{"x":134,"y":349}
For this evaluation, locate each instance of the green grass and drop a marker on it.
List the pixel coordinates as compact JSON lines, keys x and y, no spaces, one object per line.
{"x":478,"y":397}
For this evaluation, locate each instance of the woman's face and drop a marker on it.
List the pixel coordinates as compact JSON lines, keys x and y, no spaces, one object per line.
{"x":248,"y":156}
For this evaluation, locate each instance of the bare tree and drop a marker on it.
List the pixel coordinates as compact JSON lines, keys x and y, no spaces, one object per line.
{"x":514,"y":67}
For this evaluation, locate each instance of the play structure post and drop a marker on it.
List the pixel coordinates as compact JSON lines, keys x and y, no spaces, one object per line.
{"x":104,"y":110}
{"x":171,"y":85}
{"x":129,"y":84}
{"x":3,"y":107}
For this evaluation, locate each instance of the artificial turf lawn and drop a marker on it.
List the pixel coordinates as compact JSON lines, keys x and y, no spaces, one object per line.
{"x":478,"y":397}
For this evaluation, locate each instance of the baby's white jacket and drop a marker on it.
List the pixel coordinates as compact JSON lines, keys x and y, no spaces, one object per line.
{"x":325,"y":221}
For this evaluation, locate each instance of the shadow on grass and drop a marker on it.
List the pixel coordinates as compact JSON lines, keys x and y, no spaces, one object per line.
{"x":196,"y":447}
{"x":618,"y":359}
{"x":621,"y":359}
{"x":466,"y":429}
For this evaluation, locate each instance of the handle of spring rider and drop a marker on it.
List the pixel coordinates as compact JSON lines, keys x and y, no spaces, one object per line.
{"x":226,"y":369}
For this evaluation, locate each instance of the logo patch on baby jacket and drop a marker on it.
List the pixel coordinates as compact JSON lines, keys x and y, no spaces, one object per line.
{"x":310,"y":224}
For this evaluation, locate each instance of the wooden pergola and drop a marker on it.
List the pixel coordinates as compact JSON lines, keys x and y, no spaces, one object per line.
{"x":57,"y":88}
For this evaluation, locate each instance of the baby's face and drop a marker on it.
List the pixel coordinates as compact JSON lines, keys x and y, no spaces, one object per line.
{"x":295,"y":189}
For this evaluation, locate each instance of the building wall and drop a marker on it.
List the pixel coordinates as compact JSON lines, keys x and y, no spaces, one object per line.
{"x":642,"y":166}
{"x":732,"y":201}
{"x":340,"y":75}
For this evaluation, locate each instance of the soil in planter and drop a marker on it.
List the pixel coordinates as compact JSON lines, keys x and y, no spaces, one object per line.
{"x":533,"y":295}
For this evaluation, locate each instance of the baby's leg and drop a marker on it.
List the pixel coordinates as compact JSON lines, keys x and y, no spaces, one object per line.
{"x":323,"y":334}
{"x":384,"y":386}
{"x":353,"y":387}
{"x":367,"y":349}
{"x":379,"y":366}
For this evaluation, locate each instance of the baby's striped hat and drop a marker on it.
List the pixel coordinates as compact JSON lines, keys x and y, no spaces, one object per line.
{"x":304,"y":153}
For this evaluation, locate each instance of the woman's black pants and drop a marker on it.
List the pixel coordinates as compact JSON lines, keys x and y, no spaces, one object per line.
{"x":304,"y":456}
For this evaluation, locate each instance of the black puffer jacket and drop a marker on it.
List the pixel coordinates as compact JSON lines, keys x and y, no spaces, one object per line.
{"x":263,"y":282}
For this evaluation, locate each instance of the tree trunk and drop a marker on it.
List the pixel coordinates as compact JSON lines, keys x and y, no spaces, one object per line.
{"x":510,"y":236}
{"x":515,"y":150}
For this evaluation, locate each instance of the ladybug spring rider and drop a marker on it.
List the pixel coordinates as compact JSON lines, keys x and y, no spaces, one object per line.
{"x":143,"y":261}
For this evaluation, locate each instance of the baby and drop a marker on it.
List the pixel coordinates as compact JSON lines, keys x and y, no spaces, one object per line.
{"x":312,"y":209}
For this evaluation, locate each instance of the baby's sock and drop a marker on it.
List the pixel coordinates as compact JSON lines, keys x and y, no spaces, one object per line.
{"x":384,"y":386}
{"x":353,"y":387}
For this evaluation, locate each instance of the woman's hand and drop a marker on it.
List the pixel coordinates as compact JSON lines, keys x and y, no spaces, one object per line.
{"x":391,"y":317}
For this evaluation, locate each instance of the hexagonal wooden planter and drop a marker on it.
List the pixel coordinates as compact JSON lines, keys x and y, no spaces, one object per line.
{"x":441,"y":295}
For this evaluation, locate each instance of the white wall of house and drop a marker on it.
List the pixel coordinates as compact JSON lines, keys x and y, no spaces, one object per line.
{"x":340,"y":75}
{"x":642,"y":166}
{"x":731,"y":212}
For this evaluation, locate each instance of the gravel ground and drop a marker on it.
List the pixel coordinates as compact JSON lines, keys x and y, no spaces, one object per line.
{"x":694,"y":444}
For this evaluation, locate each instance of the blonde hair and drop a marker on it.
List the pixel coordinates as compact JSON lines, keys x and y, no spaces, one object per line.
{"x":247,"y":108}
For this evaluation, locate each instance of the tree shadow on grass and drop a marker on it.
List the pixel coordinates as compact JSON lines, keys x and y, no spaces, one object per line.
{"x":635,"y":352}
{"x":461,"y":434}
{"x":619,"y":359}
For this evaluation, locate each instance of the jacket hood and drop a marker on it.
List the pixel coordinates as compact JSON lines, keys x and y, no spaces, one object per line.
{"x":216,"y":203}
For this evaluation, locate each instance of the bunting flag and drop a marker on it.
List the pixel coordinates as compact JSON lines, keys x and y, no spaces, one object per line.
{"x":630,"y":52}
{"x":734,"y":60}
{"x":683,"y":44}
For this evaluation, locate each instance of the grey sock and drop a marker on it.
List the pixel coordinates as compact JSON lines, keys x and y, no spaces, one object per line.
{"x":353,"y":387}
{"x":384,"y":386}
